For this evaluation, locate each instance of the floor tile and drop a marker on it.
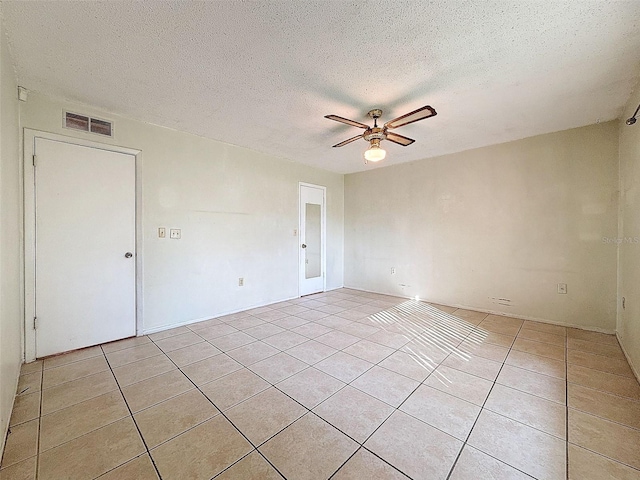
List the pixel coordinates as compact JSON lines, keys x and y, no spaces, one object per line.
{"x":21,"y":443}
{"x":366,"y":465}
{"x":271,"y":315}
{"x":312,"y":330}
{"x":473,"y":364}
{"x":309,"y":449}
{"x":252,"y":353}
{"x":450,"y":414}
{"x":285,"y":340}
{"x":231,"y":341}
{"x":234,"y":388}
{"x":29,"y":383}
{"x":213,"y":331}
{"x":612,"y":407}
{"x":77,"y":391}
{"x":251,"y":467}
{"x":343,"y":366}
{"x":408,"y":365}
{"x":156,"y":389}
{"x":139,"y":468}
{"x":486,"y":350}
{"x":501,"y":325}
{"x":470,"y":315}
{"x":93,"y":454}
{"x":537,"y":384}
{"x":31,"y":367}
{"x":545,"y":328}
{"x":543,"y":337}
{"x":584,"y":464}
{"x":529,"y":450}
{"x":174,"y":416}
{"x":538,"y":348}
{"x":73,"y":371}
{"x":198,"y":453}
{"x":25,"y":408}
{"x":337,"y":339}
{"x":265,"y":414}
{"x":385,"y":385}
{"x":132,"y":354}
{"x":143,"y":369}
{"x":168,"y":333}
{"x":537,"y":364}
{"x":311,"y":352}
{"x":415,"y":448}
{"x":72,"y":422}
{"x":460,"y":384}
{"x":598,"y":362}
{"x":359,"y":329}
{"x":71,"y":357}
{"x":310,"y":387}
{"x":607,"y":438}
{"x":312,"y":315}
{"x":24,"y":470}
{"x":263,"y":331}
{"x":178,"y":341}
{"x":290,"y":322}
{"x":389,"y":339}
{"x":354,"y":412}
{"x":607,"y":382}
{"x":473,"y":465}
{"x":536,"y":412}
{"x":211,"y":368}
{"x":278,"y":367}
{"x":607,"y":350}
{"x":245,"y":322}
{"x":484,"y":336}
{"x":592,"y":336}
{"x":193,"y":353}
{"x":126,"y":343}
{"x":369,"y":351}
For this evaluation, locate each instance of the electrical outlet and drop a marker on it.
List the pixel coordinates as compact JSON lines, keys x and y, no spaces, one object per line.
{"x":175,"y":233}
{"x":241,"y":282}
{"x":393,"y":270}
{"x":162,"y":232}
{"x":562,"y":288}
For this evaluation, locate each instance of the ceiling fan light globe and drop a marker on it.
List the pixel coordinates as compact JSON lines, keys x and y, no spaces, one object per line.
{"x":374,"y":154}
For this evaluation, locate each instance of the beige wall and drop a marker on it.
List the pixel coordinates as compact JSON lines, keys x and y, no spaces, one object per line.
{"x":237,"y":209}
{"x":495,"y":228}
{"x":10,"y":225}
{"x":629,"y":248}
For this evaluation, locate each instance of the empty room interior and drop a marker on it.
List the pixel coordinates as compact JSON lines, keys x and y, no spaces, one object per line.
{"x":315,"y":240}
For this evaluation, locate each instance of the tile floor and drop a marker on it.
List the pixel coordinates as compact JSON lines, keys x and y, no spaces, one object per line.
{"x":341,"y":385}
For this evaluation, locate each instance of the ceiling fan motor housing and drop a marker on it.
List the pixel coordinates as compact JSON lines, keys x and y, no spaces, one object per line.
{"x":374,"y":133}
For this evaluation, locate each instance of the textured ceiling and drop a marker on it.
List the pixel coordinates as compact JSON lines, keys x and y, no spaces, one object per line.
{"x":263,"y":74}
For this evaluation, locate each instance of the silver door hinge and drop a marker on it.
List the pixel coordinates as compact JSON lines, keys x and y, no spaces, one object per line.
{"x":34,"y":160}
{"x":35,"y":319}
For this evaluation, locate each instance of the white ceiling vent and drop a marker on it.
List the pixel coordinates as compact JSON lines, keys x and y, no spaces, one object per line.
{"x":88,"y":124}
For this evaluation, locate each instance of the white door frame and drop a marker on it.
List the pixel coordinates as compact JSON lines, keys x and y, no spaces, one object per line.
{"x":323,"y":228}
{"x":30,"y":137}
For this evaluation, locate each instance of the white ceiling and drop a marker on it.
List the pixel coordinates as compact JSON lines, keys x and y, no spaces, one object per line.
{"x":263,"y":74}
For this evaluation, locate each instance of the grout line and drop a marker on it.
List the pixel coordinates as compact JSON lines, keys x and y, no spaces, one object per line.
{"x":144,"y":442}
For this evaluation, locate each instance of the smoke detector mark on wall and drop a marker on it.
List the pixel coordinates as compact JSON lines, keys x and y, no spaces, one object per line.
{"x":88,"y":124}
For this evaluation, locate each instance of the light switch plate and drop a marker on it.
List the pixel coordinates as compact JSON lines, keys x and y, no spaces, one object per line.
{"x":162,"y":232}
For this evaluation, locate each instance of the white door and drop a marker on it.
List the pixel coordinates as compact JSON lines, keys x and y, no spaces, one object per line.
{"x":85,"y":246}
{"x":312,"y":238}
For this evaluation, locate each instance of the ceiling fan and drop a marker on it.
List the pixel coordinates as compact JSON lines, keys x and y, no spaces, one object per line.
{"x":374,"y":135}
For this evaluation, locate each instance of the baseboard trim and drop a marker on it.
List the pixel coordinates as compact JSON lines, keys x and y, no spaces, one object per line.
{"x":624,"y":350}
{"x":495,"y":312}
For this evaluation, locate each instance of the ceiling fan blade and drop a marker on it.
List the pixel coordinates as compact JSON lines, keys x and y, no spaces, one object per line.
{"x":399,"y":139}
{"x":419,"y":114}
{"x":352,"y":139}
{"x":353,"y":123}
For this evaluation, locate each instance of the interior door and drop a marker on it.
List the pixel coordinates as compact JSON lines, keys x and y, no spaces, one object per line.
{"x":85,"y":246}
{"x":312,"y":238}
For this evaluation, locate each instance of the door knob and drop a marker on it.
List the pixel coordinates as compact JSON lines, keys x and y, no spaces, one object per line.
{"x":304,"y":246}
{"x":128,"y":255}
